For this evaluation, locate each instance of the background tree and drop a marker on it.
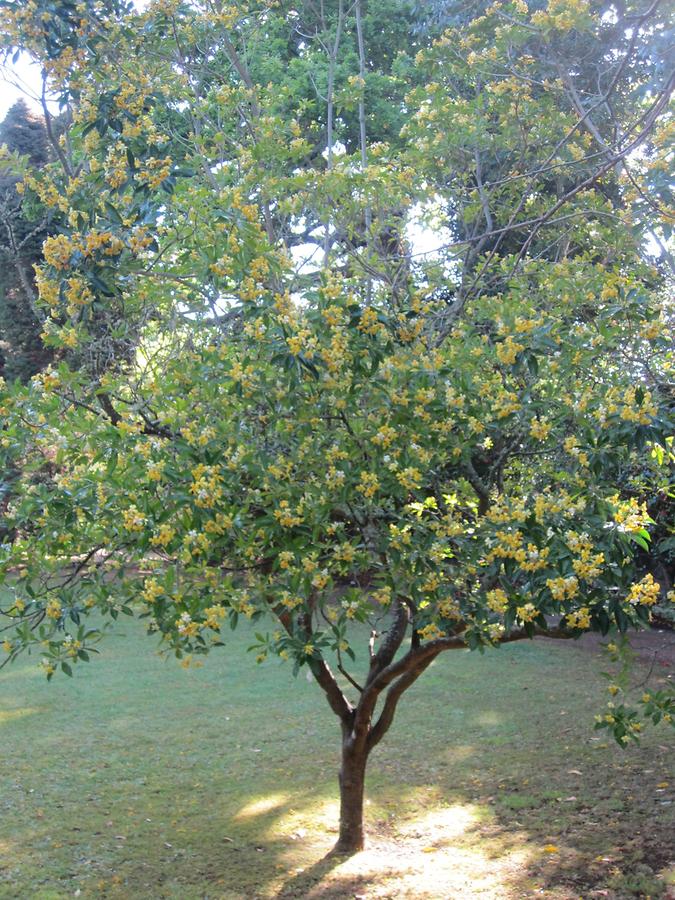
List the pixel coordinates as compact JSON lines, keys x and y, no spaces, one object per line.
{"x":420,"y":452}
{"x":22,"y":353}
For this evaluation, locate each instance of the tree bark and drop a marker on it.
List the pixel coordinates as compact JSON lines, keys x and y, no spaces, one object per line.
{"x":352,"y":783}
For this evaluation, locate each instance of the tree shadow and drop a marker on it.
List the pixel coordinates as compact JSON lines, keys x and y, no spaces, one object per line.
{"x":303,"y":881}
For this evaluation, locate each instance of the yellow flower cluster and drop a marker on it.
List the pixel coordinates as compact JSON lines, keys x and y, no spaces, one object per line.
{"x":563,"y":588}
{"x":57,"y":251}
{"x":351,"y":608}
{"x":53,"y":609}
{"x":100,"y":240}
{"x":571,"y":447}
{"x":50,"y":380}
{"x":497,"y":600}
{"x":399,"y":537}
{"x":206,"y":486}
{"x":139,"y":239}
{"x":186,"y":627}
{"x":409,"y":478}
{"x":508,"y":350}
{"x":154,"y":171}
{"x":285,"y":515}
{"x":385,"y":436}
{"x":580,"y":618}
{"x":368,"y":485}
{"x":155,"y":470}
{"x":290,"y":602}
{"x":382,"y":596}
{"x":334,"y":316}
{"x":335,"y":355}
{"x":47,"y":667}
{"x":116,"y":165}
{"x":588,"y":565}
{"x":345,"y":552}
{"x":320,"y":580}
{"x":46,"y":191}
{"x":527,"y":613}
{"x":164,"y":536}
{"x":302,"y":342}
{"x":630,"y":516}
{"x":219,"y":525}
{"x":195,"y":543}
{"x":540,"y":429}
{"x":78,"y":294}
{"x":133,"y":519}
{"x":286,"y":557}
{"x":430,"y":632}
{"x":448,"y":608}
{"x":152,"y":589}
{"x":545,"y":504}
{"x":535,"y":558}
{"x":369,"y":323}
{"x":214,"y":617}
{"x":645,"y":592}
{"x":562,"y":15}
{"x":505,"y":403}
{"x":642,"y":412}
{"x":509,"y":546}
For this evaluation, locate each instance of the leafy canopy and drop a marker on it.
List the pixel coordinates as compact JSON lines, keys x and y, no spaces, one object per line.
{"x":443,"y":442}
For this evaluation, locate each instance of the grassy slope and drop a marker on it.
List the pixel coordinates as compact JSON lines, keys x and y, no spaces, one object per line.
{"x":139,"y":779}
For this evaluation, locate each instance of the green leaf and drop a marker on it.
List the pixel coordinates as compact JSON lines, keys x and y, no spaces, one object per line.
{"x":112,"y":212}
{"x":112,"y":463}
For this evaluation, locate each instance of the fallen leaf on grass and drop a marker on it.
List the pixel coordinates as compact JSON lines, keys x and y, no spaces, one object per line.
{"x":550,"y":848}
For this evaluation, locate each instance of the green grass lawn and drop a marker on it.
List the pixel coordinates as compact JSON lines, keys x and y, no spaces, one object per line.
{"x":136,"y":778}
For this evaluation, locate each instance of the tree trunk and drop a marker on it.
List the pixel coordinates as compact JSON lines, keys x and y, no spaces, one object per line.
{"x":352,"y":782}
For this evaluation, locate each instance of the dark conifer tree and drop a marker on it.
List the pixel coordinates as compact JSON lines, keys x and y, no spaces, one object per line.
{"x":22,"y":352}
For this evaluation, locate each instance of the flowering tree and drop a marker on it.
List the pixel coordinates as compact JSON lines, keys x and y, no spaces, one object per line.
{"x":269,"y":403}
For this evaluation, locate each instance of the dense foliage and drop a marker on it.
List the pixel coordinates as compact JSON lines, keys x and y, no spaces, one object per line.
{"x":278,"y":402}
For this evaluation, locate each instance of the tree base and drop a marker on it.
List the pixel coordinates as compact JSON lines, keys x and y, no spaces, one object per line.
{"x":346,"y":848}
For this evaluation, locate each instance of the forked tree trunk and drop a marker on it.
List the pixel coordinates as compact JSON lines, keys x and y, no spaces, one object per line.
{"x":352,"y":783}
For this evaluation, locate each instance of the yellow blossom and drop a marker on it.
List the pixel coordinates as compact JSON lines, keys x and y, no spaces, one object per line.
{"x":580,"y":618}
{"x":540,"y":429}
{"x":645,"y":592}
{"x":53,"y":609}
{"x":410,"y":478}
{"x":133,"y":519}
{"x":430,"y":632}
{"x":368,"y":484}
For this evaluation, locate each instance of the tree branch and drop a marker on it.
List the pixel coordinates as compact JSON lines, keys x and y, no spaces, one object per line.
{"x":392,"y":642}
{"x":394,"y":694}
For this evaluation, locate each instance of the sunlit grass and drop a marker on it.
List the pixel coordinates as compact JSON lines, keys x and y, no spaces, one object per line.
{"x":6,"y":715}
{"x":139,"y":779}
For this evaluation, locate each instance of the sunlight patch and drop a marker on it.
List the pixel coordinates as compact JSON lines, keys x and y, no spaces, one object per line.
{"x":490,"y":717}
{"x":445,"y":822}
{"x":7,"y":715}
{"x":261,"y":806}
